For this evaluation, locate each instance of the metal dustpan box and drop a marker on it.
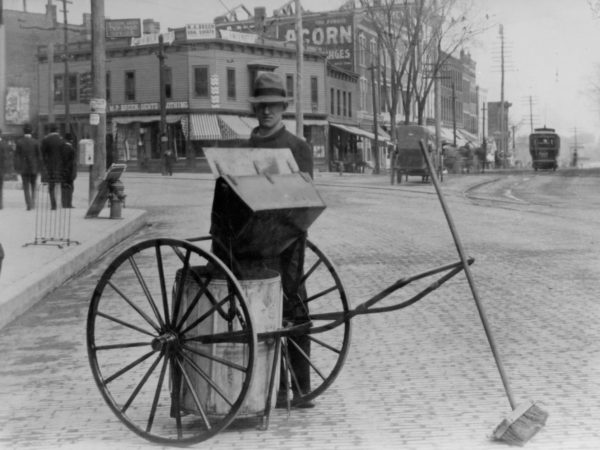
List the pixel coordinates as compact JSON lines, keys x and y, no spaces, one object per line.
{"x":262,"y":203}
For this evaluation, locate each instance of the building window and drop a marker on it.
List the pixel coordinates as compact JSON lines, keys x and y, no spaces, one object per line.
{"x":108,"y":86}
{"x":314,"y":91}
{"x":289,"y":85}
{"x":362,"y":46}
{"x":349,"y":104}
{"x":73,"y":88}
{"x":339,"y":109}
{"x":201,"y":81}
{"x":168,"y":74}
{"x":332,"y":101}
{"x":59,"y":87}
{"x":130,"y":86}
{"x":231,"y":83}
{"x":344,"y":104}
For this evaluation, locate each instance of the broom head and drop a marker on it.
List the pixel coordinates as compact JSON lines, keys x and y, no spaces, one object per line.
{"x":521,"y":424}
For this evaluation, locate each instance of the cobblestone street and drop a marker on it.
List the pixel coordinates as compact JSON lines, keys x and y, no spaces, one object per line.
{"x":421,"y":378}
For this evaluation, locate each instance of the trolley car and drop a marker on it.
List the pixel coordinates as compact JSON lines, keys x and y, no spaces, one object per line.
{"x":544,"y":147}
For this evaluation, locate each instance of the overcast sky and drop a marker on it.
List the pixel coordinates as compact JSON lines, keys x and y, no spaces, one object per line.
{"x":552,"y":49}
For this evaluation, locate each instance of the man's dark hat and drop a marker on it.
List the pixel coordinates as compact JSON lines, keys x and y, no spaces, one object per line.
{"x":27,"y":128}
{"x":269,"y":88}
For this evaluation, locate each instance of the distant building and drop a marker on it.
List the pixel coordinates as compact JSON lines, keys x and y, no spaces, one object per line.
{"x":23,"y":33}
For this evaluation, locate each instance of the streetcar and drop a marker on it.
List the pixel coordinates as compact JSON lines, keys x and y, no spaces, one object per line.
{"x":544,"y":147}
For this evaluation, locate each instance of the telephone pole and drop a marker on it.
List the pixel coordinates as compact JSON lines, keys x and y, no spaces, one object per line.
{"x":163,"y":97}
{"x":98,"y":93}
{"x":66,"y":62}
{"x":503,"y":148}
{"x":299,"y":70}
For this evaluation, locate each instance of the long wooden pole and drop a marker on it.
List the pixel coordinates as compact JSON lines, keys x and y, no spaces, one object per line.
{"x":98,"y":92}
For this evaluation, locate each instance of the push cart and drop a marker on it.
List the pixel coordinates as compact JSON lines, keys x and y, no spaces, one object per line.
{"x":182,"y":342}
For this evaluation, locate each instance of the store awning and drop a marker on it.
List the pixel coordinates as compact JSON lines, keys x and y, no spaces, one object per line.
{"x":233,"y":127}
{"x":353,"y":130}
{"x":205,"y":127}
{"x":447,"y":135}
{"x":468,"y":136}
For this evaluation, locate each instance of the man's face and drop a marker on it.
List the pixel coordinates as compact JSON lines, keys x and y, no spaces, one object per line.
{"x":269,"y":114}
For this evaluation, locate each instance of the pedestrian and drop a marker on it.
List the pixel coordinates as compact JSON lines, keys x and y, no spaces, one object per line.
{"x":269,"y":101}
{"x":52,"y":148}
{"x":4,"y":152}
{"x":69,"y":165}
{"x":28,"y":163}
{"x":168,"y":162}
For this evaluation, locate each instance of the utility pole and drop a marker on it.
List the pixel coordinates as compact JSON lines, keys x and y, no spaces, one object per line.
{"x":531,"y":114}
{"x":2,"y":65}
{"x":66,"y":62}
{"x":454,"y":112}
{"x":98,"y":93}
{"x":50,"y":82}
{"x":484,"y":110}
{"x":299,"y":70}
{"x":163,"y":138}
{"x":502,"y":125}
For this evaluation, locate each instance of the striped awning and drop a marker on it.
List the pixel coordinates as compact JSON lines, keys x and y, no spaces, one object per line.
{"x":204,"y":127}
{"x":233,"y":127}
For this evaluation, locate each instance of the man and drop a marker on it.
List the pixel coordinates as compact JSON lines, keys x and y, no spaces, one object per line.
{"x":28,"y":163}
{"x":69,"y":165}
{"x":4,"y":151}
{"x":269,"y":102}
{"x":52,"y":148}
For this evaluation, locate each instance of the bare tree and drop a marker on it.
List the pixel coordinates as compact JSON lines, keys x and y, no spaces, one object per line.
{"x":418,"y":37}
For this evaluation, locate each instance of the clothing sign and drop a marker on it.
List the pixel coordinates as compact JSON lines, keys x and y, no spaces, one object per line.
{"x":152,"y":39}
{"x":331,"y":35}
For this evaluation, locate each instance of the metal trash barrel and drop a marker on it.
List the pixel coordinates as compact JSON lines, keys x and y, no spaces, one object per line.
{"x":262,"y":289}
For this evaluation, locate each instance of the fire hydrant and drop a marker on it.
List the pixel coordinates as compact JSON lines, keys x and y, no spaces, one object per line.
{"x":116,"y":198}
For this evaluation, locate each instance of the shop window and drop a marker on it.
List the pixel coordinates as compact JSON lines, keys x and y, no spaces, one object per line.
{"x":231,"y":94}
{"x":314,"y":92}
{"x":201,"y":81}
{"x":130,"y":86}
{"x":168,"y":74}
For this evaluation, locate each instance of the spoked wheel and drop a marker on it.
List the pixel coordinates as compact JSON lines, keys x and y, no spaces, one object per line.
{"x":313,"y":361}
{"x":170,"y":341}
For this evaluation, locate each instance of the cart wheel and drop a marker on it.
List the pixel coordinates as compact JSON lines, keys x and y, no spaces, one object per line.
{"x":170,"y":341}
{"x":322,"y":354}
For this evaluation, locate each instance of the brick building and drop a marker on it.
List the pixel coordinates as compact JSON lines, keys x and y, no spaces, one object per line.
{"x":207,"y":84}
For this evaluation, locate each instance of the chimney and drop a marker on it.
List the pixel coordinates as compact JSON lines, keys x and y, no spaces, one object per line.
{"x":51,"y":12}
{"x":260,"y":12}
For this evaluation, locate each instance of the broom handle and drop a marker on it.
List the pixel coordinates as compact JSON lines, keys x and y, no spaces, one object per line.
{"x":463,"y":258}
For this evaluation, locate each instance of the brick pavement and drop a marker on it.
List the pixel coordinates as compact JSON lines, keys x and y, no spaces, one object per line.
{"x":420,"y":378}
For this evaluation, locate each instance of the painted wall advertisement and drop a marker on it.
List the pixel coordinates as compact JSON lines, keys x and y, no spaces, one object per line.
{"x":17,"y":105}
{"x":331,"y":35}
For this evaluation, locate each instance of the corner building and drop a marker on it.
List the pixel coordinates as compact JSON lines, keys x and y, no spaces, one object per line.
{"x":208,"y":83}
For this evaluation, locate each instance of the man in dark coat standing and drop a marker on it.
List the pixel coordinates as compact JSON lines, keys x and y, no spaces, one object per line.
{"x":69,"y":164}
{"x":28,"y":163}
{"x":52,"y":148}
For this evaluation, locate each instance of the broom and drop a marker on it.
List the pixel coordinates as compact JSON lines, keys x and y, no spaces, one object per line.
{"x":528,"y":418}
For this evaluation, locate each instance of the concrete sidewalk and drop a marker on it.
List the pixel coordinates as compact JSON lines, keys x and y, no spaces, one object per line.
{"x":29,"y":272}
